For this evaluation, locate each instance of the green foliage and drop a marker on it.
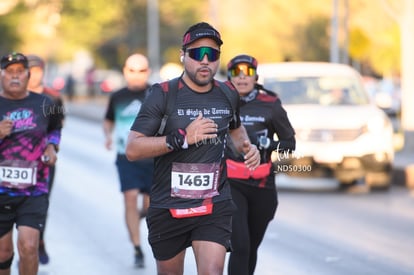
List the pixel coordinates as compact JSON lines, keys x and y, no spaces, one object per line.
{"x":11,"y":36}
{"x":271,"y":30}
{"x":86,"y":24}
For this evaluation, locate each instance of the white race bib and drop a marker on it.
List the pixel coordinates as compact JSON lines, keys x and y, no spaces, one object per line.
{"x":18,"y":173}
{"x":194,"y":180}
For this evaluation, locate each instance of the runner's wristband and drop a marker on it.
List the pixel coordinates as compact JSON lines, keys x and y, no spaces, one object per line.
{"x":177,"y":140}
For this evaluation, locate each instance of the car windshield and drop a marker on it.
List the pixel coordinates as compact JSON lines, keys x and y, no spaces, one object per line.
{"x":326,"y":90}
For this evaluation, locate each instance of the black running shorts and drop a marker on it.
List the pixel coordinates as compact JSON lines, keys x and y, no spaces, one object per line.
{"x":22,"y":210}
{"x":169,"y":236}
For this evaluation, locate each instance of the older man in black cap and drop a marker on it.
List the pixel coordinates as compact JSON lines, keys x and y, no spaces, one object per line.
{"x":29,"y":136}
{"x":191,"y":203}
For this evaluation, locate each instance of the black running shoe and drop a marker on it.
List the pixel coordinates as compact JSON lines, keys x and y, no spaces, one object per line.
{"x":43,"y":256}
{"x":139,"y":259}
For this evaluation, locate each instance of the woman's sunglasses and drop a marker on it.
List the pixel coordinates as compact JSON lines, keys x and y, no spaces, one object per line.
{"x":199,"y":53}
{"x":242,"y":67}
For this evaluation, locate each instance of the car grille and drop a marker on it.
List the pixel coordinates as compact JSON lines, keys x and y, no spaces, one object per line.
{"x":327,"y":135}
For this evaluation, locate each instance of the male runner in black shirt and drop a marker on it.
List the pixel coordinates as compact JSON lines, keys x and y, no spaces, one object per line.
{"x":190,"y":200}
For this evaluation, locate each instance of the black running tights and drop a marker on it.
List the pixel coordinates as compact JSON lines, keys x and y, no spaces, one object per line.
{"x":256,"y":207}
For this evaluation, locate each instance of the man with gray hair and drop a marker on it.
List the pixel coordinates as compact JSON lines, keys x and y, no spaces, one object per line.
{"x":30,"y":131}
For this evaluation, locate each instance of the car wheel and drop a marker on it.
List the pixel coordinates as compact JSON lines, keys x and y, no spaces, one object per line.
{"x":378,"y":180}
{"x":344,"y":185}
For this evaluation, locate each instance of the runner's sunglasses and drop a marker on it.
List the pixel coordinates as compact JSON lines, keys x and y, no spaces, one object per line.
{"x":199,"y":53}
{"x":242,"y":67}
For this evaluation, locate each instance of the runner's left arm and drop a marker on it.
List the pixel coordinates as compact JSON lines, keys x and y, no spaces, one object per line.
{"x":53,"y":133}
{"x":243,"y":145}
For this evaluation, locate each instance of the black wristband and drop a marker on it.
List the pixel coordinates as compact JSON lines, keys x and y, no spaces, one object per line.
{"x":176,"y":140}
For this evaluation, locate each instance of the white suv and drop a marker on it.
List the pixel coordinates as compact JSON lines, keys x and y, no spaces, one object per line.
{"x":339,"y":132}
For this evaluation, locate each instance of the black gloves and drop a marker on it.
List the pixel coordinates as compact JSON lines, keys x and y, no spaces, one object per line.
{"x":177,"y":140}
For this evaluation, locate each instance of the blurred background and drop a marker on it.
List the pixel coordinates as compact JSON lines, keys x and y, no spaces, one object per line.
{"x":86,"y":41}
{"x":80,"y":36}
{"x":272,"y":30}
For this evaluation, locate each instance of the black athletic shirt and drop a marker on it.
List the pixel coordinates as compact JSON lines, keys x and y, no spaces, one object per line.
{"x":214,"y":105}
{"x":263,"y":116}
{"x":36,"y":123}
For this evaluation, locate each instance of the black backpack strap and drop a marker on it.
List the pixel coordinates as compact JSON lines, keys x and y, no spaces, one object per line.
{"x":228,"y":93}
{"x":267,"y":91}
{"x":170,"y":97}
